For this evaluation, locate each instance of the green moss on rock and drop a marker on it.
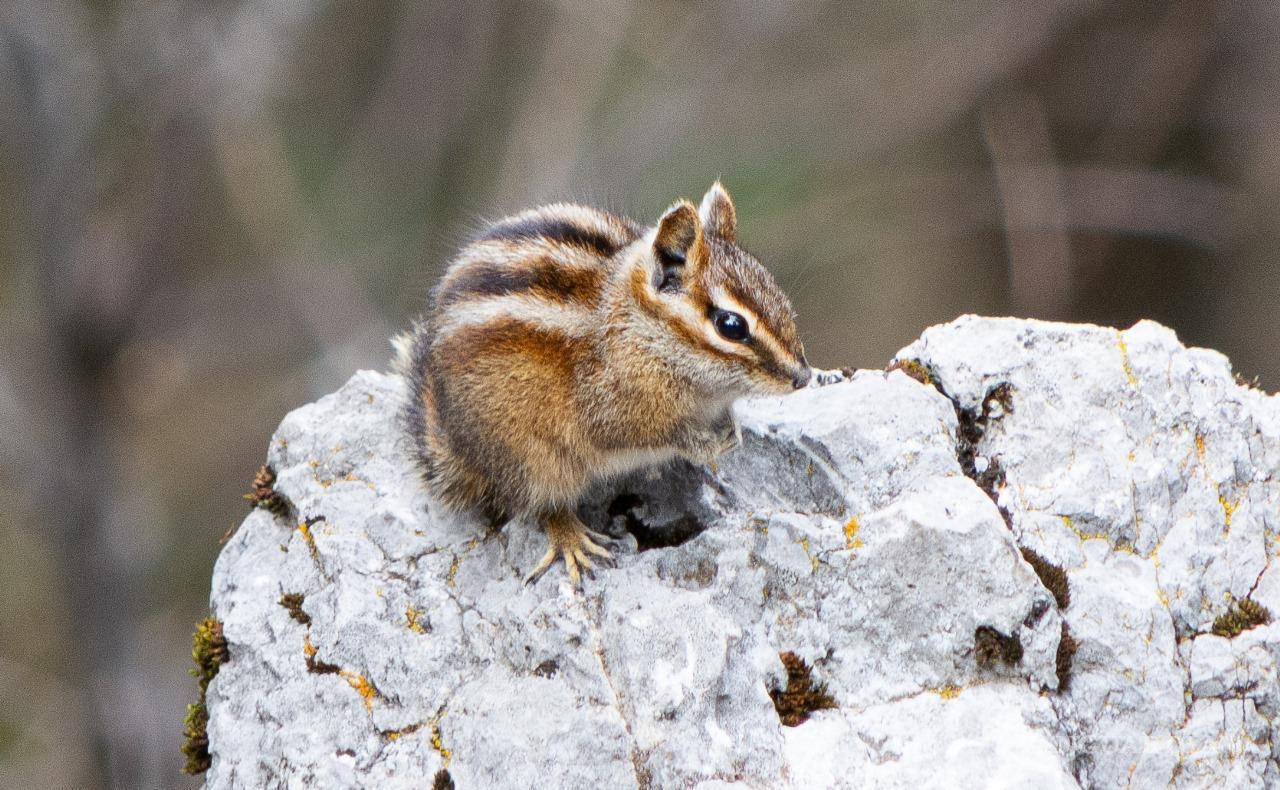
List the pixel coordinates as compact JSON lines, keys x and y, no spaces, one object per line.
{"x":1067,"y":646}
{"x":1051,"y":576}
{"x":1244,"y":614}
{"x":913,"y":368}
{"x":802,"y":695}
{"x":209,"y":651}
{"x":991,"y":647}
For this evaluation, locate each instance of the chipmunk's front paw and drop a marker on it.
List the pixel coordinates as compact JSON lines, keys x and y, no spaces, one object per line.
{"x":728,"y":432}
{"x":822,"y":378}
{"x":705,"y":446}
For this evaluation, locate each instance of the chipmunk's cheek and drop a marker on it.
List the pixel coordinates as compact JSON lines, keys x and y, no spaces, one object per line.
{"x":763,"y":384}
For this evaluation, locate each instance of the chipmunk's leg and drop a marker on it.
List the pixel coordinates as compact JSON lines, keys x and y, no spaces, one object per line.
{"x":568,"y":539}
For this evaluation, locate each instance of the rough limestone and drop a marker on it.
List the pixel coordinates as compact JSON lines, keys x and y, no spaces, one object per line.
{"x":898,"y":531}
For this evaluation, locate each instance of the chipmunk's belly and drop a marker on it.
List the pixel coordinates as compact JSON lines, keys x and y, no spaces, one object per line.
{"x":619,"y":462}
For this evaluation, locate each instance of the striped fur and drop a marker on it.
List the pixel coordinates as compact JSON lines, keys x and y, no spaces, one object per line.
{"x":551,"y":357}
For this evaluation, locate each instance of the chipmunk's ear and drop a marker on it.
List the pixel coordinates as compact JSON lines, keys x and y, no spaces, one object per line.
{"x":718,"y":214}
{"x":675,"y":244}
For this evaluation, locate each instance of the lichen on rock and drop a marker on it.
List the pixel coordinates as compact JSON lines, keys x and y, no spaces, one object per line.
{"x":860,"y":529}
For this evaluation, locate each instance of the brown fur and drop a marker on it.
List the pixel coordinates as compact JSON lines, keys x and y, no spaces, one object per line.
{"x":555,"y":353}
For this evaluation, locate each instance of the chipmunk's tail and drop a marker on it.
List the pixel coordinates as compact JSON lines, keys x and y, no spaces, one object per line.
{"x":411,"y":350}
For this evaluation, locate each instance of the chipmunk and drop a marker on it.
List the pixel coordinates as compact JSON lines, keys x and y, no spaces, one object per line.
{"x":565,"y":344}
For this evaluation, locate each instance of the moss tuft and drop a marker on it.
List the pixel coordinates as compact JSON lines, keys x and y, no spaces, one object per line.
{"x":914,"y":368}
{"x":263,"y":493}
{"x":1067,"y":646}
{"x":442,"y":781}
{"x":802,"y":695}
{"x":195,"y":742}
{"x":991,"y":646}
{"x":209,"y":651}
{"x":1244,"y":614}
{"x":292,"y":602}
{"x":1051,"y":576}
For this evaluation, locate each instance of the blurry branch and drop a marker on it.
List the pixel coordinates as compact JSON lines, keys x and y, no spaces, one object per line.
{"x":1143,"y":117}
{"x":1043,"y":202}
{"x":1195,"y":211}
{"x":1039,"y":252}
{"x":437,"y":58}
{"x":900,"y":92}
{"x":114,"y":151}
{"x":75,"y":330}
{"x":551,"y":124}
{"x":1153,"y":96}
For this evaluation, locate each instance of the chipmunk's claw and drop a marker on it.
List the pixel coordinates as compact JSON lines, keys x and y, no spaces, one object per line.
{"x":823,"y":378}
{"x":541,"y":567}
{"x":571,"y":541}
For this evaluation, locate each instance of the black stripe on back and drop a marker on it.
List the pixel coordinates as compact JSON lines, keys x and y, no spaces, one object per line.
{"x":493,"y":279}
{"x":553,"y":229}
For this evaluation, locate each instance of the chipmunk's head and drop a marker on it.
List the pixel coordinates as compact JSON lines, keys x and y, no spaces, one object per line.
{"x":734,"y":328}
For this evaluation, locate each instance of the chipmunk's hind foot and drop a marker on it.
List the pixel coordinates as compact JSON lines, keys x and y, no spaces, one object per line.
{"x":571,"y":541}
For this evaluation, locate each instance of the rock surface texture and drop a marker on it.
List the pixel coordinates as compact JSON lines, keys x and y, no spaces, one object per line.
{"x":932,"y":541}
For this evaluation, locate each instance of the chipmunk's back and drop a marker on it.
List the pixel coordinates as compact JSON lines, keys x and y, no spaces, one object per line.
{"x":553,"y":255}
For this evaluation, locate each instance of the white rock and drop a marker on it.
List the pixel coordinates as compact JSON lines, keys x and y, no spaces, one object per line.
{"x":844,"y":530}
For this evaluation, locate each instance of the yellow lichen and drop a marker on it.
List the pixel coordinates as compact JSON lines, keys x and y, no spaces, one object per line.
{"x":452,"y":576}
{"x":1124,"y":360}
{"x":305,"y":529}
{"x":949,"y":692}
{"x":437,"y":741}
{"x":1081,"y":534}
{"x":1228,"y":509}
{"x":413,"y":619}
{"x":851,"y":539}
{"x":362,"y":686}
{"x":813,"y":561}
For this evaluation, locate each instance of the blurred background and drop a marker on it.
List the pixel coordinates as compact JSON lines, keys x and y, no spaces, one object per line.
{"x":214,"y":212}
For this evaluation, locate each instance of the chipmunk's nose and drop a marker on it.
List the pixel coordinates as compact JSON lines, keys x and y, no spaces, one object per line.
{"x":801,"y":379}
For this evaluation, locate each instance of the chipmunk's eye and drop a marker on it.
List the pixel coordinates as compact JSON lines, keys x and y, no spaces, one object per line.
{"x":731,"y":326}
